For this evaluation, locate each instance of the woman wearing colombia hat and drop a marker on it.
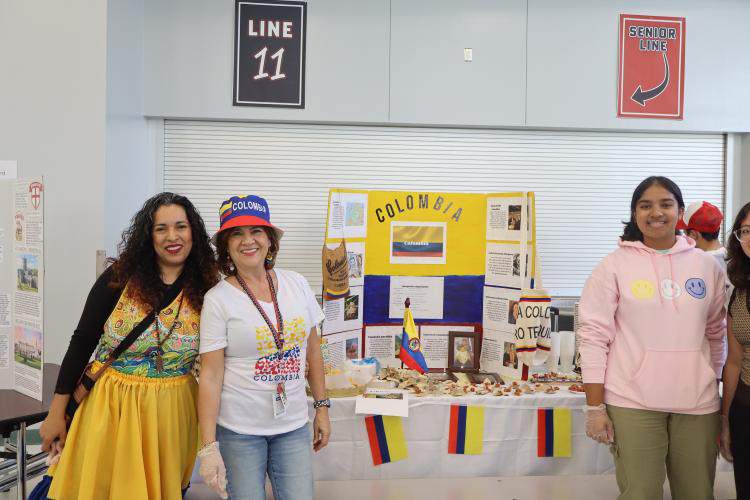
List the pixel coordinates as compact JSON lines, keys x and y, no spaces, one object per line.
{"x":258,"y":326}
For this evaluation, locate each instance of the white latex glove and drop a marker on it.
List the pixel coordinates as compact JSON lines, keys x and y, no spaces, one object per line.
{"x":598,"y":425}
{"x":725,"y":441}
{"x":53,"y":457}
{"x":212,"y":468}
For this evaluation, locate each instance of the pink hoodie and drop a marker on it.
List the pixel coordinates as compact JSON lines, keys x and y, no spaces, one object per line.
{"x":653,"y":328}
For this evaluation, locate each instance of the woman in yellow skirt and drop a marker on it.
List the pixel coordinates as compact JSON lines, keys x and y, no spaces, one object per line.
{"x":136,"y":434}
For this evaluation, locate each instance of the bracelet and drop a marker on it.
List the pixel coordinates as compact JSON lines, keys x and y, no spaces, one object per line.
{"x":321,"y":403}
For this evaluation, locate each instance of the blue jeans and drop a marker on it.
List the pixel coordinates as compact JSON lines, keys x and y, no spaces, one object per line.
{"x":286,"y":458}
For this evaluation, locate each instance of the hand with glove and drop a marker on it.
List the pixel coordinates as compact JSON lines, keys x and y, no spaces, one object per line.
{"x":598,"y":425}
{"x":725,"y":440}
{"x":212,"y":468}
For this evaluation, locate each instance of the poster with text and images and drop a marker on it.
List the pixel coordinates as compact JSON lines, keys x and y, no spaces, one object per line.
{"x":347,"y":215}
{"x":434,"y":343}
{"x":418,"y":242}
{"x":500,"y":309}
{"x":22,"y":286}
{"x":343,"y":346}
{"x":344,"y":314}
{"x":425,"y":294}
{"x":383,"y":342}
{"x":507,"y":218}
{"x":505,"y":266}
{"x":499,"y":354}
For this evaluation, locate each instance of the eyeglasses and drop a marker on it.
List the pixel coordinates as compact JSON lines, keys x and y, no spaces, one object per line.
{"x":742,"y":235}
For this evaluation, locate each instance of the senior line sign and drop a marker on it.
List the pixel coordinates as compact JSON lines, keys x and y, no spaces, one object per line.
{"x":651,"y":67}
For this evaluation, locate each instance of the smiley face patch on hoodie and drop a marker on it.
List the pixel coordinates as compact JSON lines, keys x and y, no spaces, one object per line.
{"x":642,"y":289}
{"x":696,"y":287}
{"x":669,"y":289}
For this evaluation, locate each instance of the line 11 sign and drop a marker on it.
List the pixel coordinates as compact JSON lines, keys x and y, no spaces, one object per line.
{"x":651,"y":68}
{"x":269,"y":53}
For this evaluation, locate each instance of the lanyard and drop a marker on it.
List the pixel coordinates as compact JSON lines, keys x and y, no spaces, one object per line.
{"x":278,"y":335}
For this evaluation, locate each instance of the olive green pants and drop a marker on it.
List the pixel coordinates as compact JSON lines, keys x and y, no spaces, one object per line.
{"x":650,"y":445}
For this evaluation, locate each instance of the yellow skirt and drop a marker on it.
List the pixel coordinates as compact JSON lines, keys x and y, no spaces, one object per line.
{"x":132,"y":437}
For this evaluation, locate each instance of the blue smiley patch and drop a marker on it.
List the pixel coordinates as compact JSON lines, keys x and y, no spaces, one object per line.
{"x":696,"y":287}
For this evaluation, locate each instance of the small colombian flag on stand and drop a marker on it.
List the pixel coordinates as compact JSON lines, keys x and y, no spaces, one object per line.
{"x":387,"y":442}
{"x":466,"y":430}
{"x":410,"y":353}
{"x":555,"y":432}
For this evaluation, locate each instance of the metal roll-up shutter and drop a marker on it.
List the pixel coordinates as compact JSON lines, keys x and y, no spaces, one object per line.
{"x":583,"y":180}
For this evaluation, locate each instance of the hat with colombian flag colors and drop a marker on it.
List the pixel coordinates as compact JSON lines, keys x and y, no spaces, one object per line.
{"x":245,"y":211}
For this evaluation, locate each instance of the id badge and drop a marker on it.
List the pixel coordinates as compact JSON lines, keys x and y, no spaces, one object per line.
{"x":279,"y":401}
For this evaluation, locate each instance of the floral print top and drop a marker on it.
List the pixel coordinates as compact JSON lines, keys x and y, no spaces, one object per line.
{"x":179,"y":350}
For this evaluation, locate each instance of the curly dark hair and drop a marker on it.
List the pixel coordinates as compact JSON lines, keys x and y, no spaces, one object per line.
{"x":138,"y":265}
{"x":738,"y":264}
{"x":226,"y":265}
{"x":631,"y":231}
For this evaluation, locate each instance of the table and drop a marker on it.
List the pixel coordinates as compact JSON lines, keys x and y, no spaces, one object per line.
{"x":509,"y":445}
{"x":18,"y":411}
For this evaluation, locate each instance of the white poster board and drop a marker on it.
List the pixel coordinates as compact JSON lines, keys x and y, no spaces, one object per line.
{"x":22,"y":285}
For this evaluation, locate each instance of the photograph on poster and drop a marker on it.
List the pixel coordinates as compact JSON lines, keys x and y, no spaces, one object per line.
{"x":27,"y":268}
{"x":351,"y":308}
{"x":514,"y":217}
{"x":355,"y":254}
{"x":514,"y":309}
{"x":347,"y":215}
{"x":418,"y":242}
{"x":463,"y":351}
{"x":27,"y":346}
{"x":352,"y":348}
{"x":355,"y":214}
{"x":509,"y":357}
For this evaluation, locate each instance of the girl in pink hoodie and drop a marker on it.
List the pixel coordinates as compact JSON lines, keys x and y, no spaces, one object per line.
{"x":652,"y":333}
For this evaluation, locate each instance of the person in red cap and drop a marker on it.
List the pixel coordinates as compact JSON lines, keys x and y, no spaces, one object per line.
{"x":702,"y":222}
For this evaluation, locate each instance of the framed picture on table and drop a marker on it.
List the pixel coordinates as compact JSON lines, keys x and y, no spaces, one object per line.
{"x":463,"y":351}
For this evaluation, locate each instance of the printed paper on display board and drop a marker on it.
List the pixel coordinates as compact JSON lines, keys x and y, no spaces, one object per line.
{"x":504,"y":266}
{"x":384,"y":344}
{"x":500,"y":311}
{"x":342,"y":346}
{"x":347,"y":215}
{"x":499,"y":355}
{"x":434,"y":343}
{"x":344,"y":314}
{"x":425,"y":294}
{"x":355,"y":252}
{"x":507,"y":218}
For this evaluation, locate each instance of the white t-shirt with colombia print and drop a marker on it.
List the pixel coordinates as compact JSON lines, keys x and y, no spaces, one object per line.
{"x":252,"y":365}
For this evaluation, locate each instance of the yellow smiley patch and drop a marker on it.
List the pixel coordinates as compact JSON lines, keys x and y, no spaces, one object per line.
{"x":642,"y":289}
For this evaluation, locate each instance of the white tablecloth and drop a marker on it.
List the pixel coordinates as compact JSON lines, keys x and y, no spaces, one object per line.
{"x":509,"y":447}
